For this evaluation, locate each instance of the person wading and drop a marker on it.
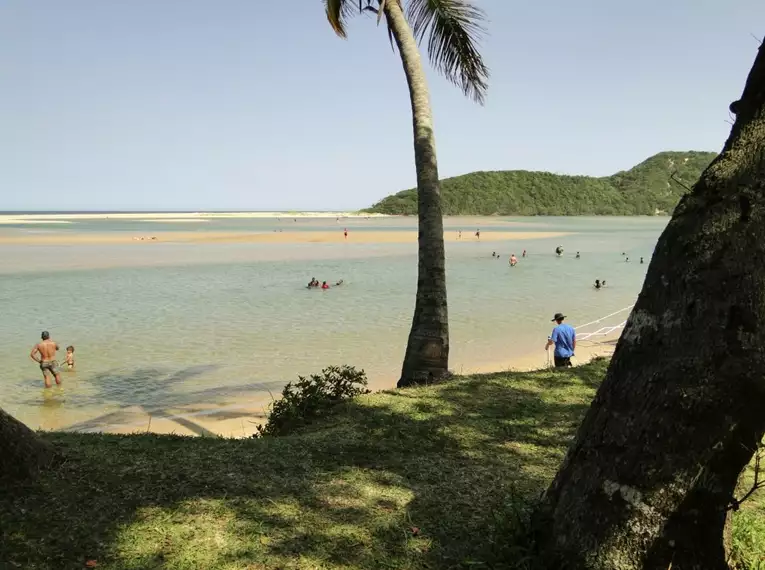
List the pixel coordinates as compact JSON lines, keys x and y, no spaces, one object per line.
{"x":46,"y":349}
{"x":564,"y":338}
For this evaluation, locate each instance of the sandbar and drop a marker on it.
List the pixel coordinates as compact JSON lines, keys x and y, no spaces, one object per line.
{"x":46,"y":217}
{"x":288,"y":237}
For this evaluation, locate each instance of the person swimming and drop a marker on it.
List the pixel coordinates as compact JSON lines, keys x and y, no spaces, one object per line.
{"x":641,"y":260}
{"x":577,"y":255}
{"x":603,"y":283}
{"x":325,"y":285}
{"x":313,"y":283}
{"x":339,"y":283}
{"x":494,"y":254}
{"x":524,"y":253}
{"x":559,"y":250}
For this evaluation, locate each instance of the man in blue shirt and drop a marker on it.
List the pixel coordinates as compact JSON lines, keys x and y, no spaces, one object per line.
{"x":564,"y":339}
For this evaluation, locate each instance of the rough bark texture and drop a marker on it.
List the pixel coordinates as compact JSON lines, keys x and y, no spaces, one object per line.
{"x":22,"y":453}
{"x":654,"y":465}
{"x":427,"y":351}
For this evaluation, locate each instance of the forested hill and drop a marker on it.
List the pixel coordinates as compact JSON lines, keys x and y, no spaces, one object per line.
{"x":645,"y":189}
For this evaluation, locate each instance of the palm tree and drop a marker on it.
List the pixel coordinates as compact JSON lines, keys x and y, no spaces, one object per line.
{"x":452,"y":29}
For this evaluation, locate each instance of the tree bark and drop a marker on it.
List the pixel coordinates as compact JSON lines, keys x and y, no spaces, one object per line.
{"x":22,"y":453}
{"x":647,"y":481}
{"x":427,"y":350}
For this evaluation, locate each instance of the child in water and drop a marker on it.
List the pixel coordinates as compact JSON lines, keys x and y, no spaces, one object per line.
{"x":69,"y":361}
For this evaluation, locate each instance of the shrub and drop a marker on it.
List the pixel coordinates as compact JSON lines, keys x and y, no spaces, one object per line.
{"x":309,"y":398}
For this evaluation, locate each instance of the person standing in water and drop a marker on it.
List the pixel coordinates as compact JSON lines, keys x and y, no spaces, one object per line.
{"x":513,"y":260}
{"x":597,"y":284}
{"x":577,"y":255}
{"x":478,"y":234}
{"x":564,"y":338}
{"x":345,"y":233}
{"x":46,"y":349}
{"x":641,"y":260}
{"x":524,"y":253}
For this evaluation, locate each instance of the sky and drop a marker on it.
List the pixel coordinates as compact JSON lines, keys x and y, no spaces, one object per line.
{"x":256,"y":105}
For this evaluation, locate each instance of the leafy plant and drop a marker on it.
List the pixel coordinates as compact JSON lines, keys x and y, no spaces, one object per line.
{"x":309,"y":398}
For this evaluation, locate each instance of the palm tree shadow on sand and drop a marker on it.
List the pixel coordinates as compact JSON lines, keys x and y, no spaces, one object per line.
{"x":154,"y":393}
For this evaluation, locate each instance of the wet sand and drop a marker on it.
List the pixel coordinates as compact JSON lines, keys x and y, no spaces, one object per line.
{"x":364,"y":237}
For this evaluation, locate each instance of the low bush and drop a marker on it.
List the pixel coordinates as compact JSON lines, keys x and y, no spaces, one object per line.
{"x":309,"y":398}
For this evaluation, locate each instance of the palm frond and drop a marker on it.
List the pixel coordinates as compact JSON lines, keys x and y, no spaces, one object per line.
{"x":453,"y":29}
{"x":338,"y":13}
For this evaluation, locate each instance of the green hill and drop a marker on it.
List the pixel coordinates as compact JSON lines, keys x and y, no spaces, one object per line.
{"x":645,"y":189}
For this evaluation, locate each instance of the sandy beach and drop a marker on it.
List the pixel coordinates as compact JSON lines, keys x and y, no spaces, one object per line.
{"x":241,"y":419}
{"x":282,"y":237}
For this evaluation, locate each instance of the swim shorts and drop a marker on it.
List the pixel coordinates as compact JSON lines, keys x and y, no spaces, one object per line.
{"x":49,"y":366}
{"x":562,"y":362}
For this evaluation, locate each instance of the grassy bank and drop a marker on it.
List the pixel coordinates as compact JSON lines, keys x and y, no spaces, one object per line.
{"x":421,"y":478}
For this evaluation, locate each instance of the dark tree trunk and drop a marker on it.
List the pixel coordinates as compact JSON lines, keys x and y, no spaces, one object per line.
{"x":654,"y":466}
{"x":427,"y":351}
{"x":22,"y":453}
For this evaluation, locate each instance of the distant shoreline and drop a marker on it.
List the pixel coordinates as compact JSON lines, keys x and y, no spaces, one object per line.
{"x":31,"y":217}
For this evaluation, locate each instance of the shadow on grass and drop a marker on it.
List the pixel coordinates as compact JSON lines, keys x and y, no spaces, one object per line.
{"x":421,"y":478}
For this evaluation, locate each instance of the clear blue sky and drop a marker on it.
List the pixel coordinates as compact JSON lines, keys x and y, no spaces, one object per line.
{"x":249,"y":104}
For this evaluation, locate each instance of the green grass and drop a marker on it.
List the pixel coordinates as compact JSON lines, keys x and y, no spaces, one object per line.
{"x":420,"y":478}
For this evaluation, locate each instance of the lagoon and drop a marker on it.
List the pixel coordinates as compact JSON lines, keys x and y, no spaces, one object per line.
{"x":206,"y":327}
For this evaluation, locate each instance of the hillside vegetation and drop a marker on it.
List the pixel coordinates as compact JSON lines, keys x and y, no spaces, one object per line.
{"x":645,"y":189}
{"x":440,"y":476}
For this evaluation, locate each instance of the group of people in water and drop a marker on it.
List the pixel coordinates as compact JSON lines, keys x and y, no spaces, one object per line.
{"x":513,"y":259}
{"x":314,"y":284}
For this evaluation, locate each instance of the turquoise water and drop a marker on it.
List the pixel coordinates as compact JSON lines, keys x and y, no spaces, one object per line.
{"x":190,"y":324}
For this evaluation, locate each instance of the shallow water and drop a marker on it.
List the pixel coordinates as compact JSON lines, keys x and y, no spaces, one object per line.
{"x":186,"y":324}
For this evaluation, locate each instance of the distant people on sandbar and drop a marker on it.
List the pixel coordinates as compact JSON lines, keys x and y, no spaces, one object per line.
{"x":459,"y":234}
{"x":44,"y":353}
{"x":345,"y":233}
{"x":577,"y":255}
{"x":564,"y":338}
{"x":324,"y":285}
{"x":641,"y":260}
{"x":478,"y":234}
{"x":524,"y":253}
{"x":513,"y":260}
{"x":559,"y":250}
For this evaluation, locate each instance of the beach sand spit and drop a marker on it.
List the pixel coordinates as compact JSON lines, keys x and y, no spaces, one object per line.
{"x":369,"y":237}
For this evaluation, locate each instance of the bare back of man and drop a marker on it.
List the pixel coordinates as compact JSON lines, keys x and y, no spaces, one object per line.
{"x":44,"y":353}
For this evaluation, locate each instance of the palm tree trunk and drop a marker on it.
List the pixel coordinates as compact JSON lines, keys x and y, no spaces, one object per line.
{"x":22,"y":453}
{"x":427,"y":351}
{"x":649,"y":478}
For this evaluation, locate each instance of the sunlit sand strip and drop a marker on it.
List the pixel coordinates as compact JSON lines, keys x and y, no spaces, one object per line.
{"x":185,"y":215}
{"x":175,"y":221}
{"x":362,"y":237}
{"x":24,"y":221}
